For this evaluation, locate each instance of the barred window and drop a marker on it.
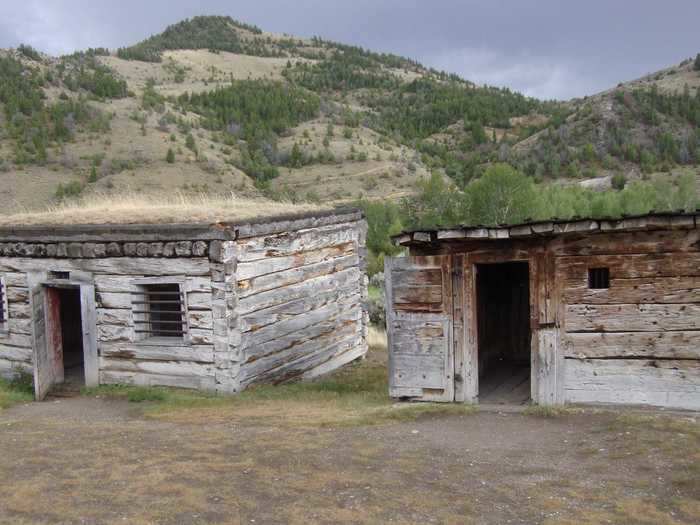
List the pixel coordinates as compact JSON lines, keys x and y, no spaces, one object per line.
{"x":598,"y":278}
{"x":159,"y":311}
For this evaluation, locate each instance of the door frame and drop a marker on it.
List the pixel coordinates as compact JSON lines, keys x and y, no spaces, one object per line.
{"x":467,"y":357}
{"x":88,"y":317}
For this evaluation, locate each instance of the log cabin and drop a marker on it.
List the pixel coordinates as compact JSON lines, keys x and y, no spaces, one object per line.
{"x":580,"y":311}
{"x":212,"y":306}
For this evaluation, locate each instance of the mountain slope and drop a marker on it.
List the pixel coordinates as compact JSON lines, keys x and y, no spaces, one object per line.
{"x":214,"y":105}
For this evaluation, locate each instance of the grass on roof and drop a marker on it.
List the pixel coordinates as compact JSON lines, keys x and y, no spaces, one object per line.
{"x":142,"y":209}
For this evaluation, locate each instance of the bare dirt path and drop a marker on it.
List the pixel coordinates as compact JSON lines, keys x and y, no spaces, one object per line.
{"x":96,"y":461}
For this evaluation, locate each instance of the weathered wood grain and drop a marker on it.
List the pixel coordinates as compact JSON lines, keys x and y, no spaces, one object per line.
{"x":342,"y":279}
{"x":632,"y":266}
{"x":284,"y":278}
{"x":124,"y":284}
{"x":111,"y":266}
{"x":196,"y":354}
{"x":291,"y":243}
{"x":632,"y":317}
{"x":672,"y":384}
{"x":270,"y":265}
{"x":298,"y":323}
{"x":677,"y":290}
{"x":628,"y":243}
{"x":661,"y":345}
{"x":109,"y":377}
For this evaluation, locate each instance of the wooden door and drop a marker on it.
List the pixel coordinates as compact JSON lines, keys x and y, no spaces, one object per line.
{"x":419,"y":308}
{"x":44,"y":362}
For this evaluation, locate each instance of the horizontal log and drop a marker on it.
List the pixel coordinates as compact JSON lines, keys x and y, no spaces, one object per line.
{"x":638,"y":290}
{"x":171,"y":368}
{"x":270,"y":265}
{"x":15,"y":279}
{"x":632,"y":317}
{"x":284,"y":278}
{"x":9,"y":369}
{"x":17,"y":294}
{"x":350,"y":320}
{"x":267,"y":316}
{"x":109,"y":377}
{"x":133,"y":266}
{"x":629,"y":242}
{"x":19,"y":311}
{"x":19,"y":326}
{"x":298,"y":323}
{"x":291,"y":243}
{"x":15,"y":339}
{"x":299,"y":361}
{"x":197,"y":354}
{"x":14,"y":353}
{"x":124,"y":284}
{"x":631,"y":266}
{"x":270,"y":227}
{"x":342,"y":279}
{"x":659,"y":345}
{"x":672,"y":384}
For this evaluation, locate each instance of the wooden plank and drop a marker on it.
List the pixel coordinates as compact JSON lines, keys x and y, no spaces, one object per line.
{"x":632,"y":317}
{"x":270,"y":365}
{"x":125,"y":284}
{"x":109,"y":377}
{"x":267,"y":316}
{"x":9,"y":368}
{"x":14,"y":353}
{"x":192,"y":266}
{"x":660,"y":345}
{"x":671,"y":384}
{"x":281,"y":225}
{"x":629,"y":243}
{"x":272,"y":281}
{"x":662,"y":290}
{"x":298,"y":323}
{"x":194,"y":353}
{"x":292,"y":243}
{"x":346,"y":278}
{"x":172,"y":368}
{"x":350,"y":320}
{"x":418,"y":298}
{"x":547,"y":366}
{"x":270,"y":265}
{"x":419,"y":371}
{"x":632,"y":266}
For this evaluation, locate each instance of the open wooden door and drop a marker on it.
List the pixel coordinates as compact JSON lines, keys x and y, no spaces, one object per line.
{"x":45,"y":366}
{"x":419,"y":309}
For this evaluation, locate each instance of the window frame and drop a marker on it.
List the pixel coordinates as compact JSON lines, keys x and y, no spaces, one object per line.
{"x":147,"y":339}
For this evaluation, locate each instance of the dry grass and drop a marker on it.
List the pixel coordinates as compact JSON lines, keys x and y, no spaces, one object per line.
{"x":139,"y":209}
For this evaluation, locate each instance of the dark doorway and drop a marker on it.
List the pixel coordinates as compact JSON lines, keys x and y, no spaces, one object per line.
{"x":503,"y":317}
{"x":72,"y":337}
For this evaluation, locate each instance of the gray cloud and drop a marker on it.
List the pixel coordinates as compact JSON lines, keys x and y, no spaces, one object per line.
{"x":544,"y":48}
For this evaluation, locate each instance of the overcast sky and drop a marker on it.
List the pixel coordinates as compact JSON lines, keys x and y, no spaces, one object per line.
{"x":545,"y":48}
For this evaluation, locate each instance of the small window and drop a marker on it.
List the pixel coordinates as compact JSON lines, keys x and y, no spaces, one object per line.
{"x":598,"y":278}
{"x":159,"y":311}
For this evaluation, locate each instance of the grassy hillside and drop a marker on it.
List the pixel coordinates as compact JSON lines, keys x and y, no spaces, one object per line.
{"x":217,"y":106}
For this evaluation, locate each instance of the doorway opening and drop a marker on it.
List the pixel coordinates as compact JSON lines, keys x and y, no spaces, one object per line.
{"x":503,"y":325}
{"x":65,"y":329}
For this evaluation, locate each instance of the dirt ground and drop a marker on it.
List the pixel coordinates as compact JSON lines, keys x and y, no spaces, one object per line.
{"x":96,"y":460}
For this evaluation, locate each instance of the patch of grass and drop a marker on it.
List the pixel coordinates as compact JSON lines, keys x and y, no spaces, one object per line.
{"x":357,"y":395}
{"x":20,"y":389}
{"x":548,"y":411}
{"x":162,"y":395}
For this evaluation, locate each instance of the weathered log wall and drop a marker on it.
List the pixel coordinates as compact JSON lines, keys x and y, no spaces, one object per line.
{"x":122,"y":359}
{"x":299,"y":301}
{"x":638,"y":341}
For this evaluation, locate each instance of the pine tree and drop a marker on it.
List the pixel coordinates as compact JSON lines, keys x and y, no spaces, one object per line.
{"x":696,"y":64}
{"x":170,"y":157}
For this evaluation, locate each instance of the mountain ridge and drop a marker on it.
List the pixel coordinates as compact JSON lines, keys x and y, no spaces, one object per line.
{"x":199,"y":120}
